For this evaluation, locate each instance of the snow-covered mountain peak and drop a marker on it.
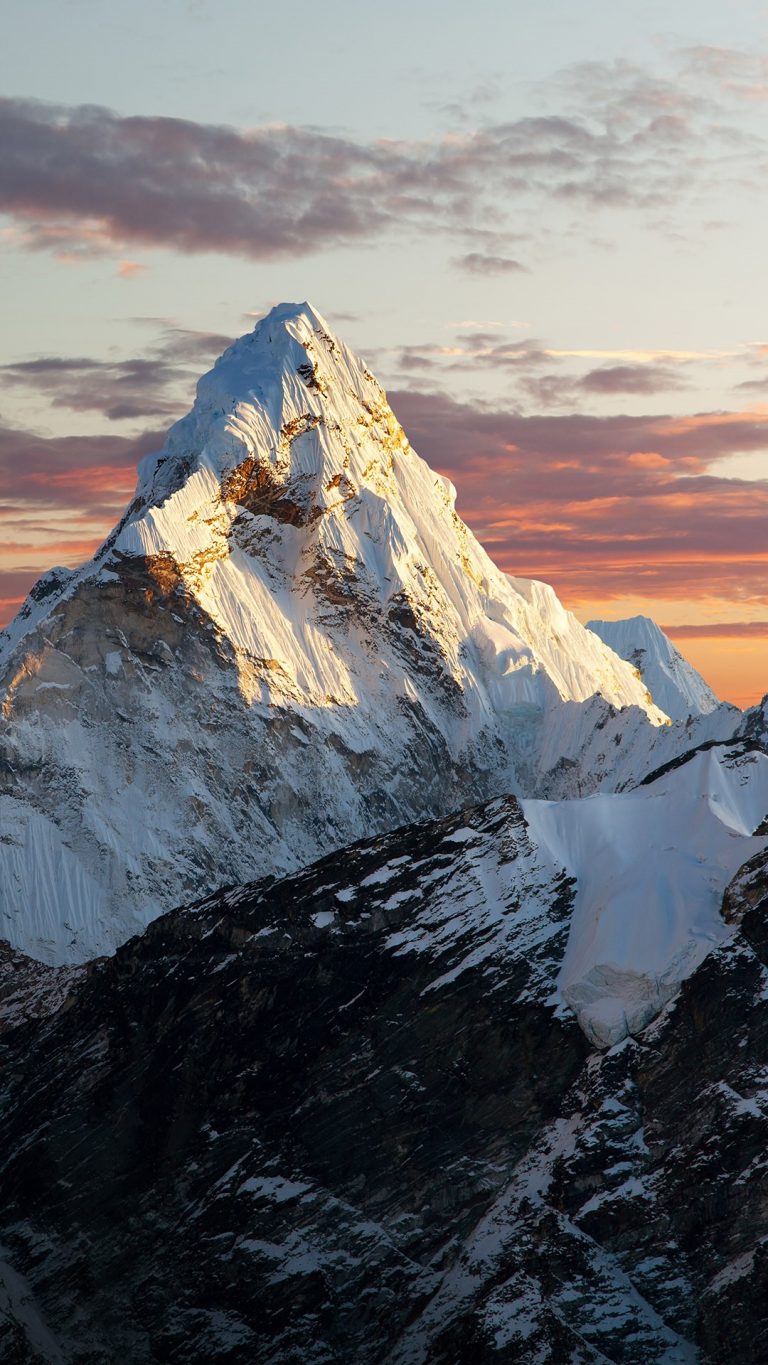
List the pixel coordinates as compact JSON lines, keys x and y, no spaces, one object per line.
{"x":278,"y":398}
{"x":672,"y":681}
{"x":291,"y":473}
{"x":290,"y":640}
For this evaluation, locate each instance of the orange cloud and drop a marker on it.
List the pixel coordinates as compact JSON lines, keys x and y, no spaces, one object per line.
{"x":646,"y":459}
{"x":719,"y":630}
{"x":128,"y":269}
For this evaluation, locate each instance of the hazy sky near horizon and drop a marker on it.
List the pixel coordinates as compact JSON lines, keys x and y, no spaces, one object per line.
{"x":544,"y":227}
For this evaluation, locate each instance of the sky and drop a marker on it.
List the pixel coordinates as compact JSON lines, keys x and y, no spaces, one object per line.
{"x":542,"y":226}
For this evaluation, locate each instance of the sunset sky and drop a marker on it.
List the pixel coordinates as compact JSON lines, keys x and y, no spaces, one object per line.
{"x":544,"y":227}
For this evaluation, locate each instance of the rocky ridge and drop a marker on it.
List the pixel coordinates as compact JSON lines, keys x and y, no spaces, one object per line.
{"x":348,"y":1115}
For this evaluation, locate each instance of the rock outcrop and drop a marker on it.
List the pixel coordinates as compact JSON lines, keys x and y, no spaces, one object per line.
{"x":348,"y":1116}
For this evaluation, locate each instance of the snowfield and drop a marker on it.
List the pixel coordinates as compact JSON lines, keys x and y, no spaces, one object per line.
{"x":651,"y":867}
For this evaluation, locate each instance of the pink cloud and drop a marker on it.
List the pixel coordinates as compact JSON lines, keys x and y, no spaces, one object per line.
{"x":604,"y":506}
{"x":127,"y":270}
{"x":727,"y":630}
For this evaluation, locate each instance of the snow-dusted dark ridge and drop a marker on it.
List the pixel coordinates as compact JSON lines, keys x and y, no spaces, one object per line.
{"x":290,"y":641}
{"x":349,"y":1116}
{"x":673,"y":682}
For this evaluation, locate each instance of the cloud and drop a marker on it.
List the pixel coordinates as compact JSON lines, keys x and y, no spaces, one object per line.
{"x":59,"y":496}
{"x":645,"y":357}
{"x":604,"y":506}
{"x":82,"y":180}
{"x":479,"y":263}
{"x":95,"y":474}
{"x":479,"y":325}
{"x":14,"y":586}
{"x":550,"y":390}
{"x":641,"y":379}
{"x":86,"y":175}
{"x":474,"y":350}
{"x":731,"y":630}
{"x":157,"y":384}
{"x":529,"y":364}
{"x":737,"y":73}
{"x":127,"y":270}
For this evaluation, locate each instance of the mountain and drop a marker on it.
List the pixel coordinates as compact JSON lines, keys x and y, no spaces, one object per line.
{"x":351,"y":1115}
{"x":673,"y":683}
{"x":289,"y":641}
{"x":754,"y":723}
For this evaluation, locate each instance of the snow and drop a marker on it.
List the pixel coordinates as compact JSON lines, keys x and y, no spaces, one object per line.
{"x":651,"y":867}
{"x":343,"y":642}
{"x":50,"y":900}
{"x":673,"y":683}
{"x":276,"y":1188}
{"x":736,"y":1270}
{"x":355,"y":652}
{"x":18,"y":1303}
{"x":385,"y":873}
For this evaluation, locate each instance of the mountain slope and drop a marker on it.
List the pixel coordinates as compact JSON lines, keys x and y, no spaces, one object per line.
{"x":350,"y":1116}
{"x":290,"y":640}
{"x":672,"y":681}
{"x":754,"y":723}
{"x":650,"y":867}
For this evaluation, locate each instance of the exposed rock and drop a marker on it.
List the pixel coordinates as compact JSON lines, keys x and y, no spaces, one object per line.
{"x":346,"y":1117}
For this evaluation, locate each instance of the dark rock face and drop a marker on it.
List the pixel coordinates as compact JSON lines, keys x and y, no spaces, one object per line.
{"x":344,"y":1117}
{"x":30,"y":991}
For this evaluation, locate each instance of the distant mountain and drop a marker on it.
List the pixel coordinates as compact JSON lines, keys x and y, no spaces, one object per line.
{"x":673,"y":683}
{"x":754,"y":724}
{"x":351,"y":1116}
{"x":290,"y":640}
